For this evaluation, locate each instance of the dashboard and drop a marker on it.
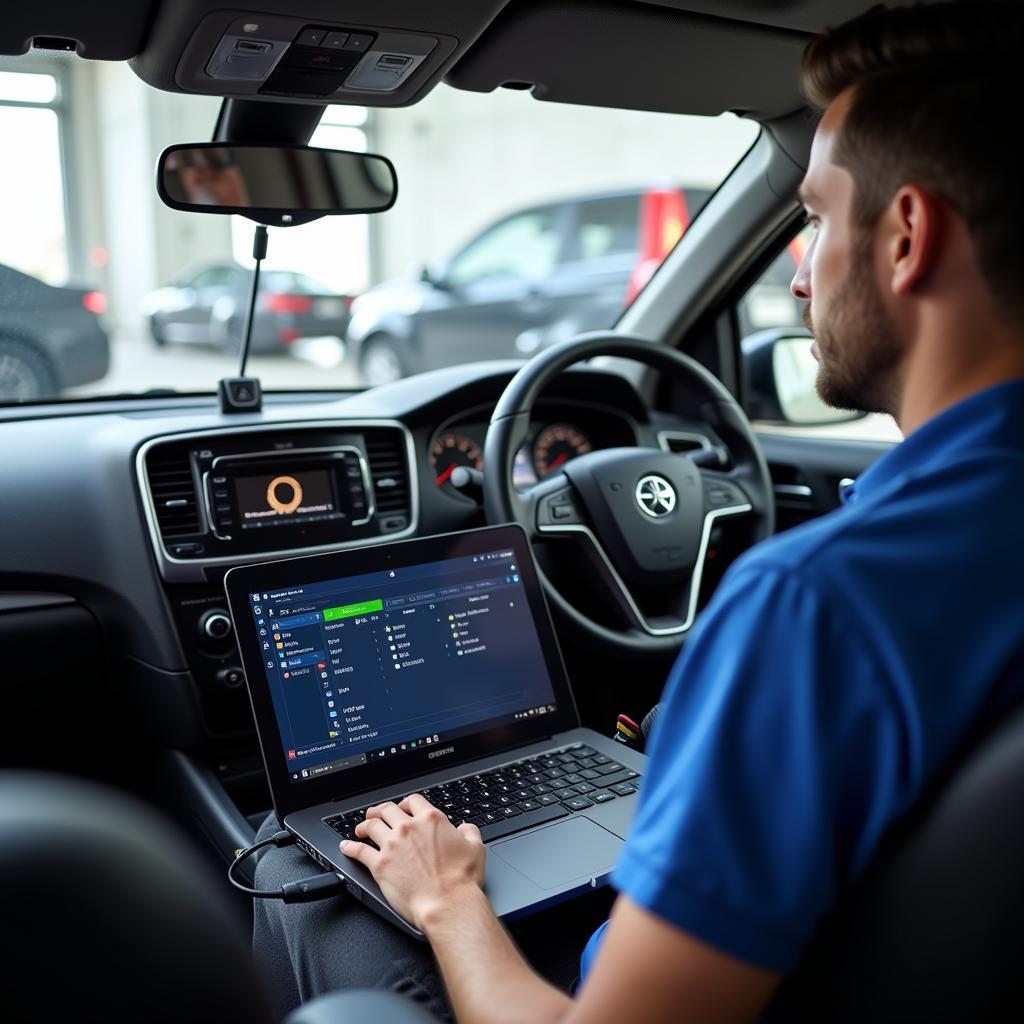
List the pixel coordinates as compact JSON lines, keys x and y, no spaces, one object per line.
{"x":133,"y":510}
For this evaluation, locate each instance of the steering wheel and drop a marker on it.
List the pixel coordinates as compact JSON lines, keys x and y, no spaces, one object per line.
{"x":646,"y":513}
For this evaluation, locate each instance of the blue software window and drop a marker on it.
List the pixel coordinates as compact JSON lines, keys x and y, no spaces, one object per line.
{"x":374,"y":665}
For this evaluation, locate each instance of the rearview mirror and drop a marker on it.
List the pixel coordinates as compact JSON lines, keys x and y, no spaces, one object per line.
{"x":278,"y":185}
{"x":781,"y":377}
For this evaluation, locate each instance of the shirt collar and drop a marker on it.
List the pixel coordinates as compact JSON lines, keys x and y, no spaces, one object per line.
{"x":993,"y":417}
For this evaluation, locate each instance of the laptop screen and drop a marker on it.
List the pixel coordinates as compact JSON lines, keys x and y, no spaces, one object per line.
{"x":385,"y":664}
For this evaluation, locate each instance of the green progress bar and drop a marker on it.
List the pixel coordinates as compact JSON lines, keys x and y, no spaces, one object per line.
{"x":346,"y":611}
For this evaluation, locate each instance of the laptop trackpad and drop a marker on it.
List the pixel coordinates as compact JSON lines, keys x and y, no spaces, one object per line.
{"x":552,"y":856}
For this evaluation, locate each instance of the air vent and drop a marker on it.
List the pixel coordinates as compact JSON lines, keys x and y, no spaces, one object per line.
{"x":385,"y":452}
{"x":174,"y":495}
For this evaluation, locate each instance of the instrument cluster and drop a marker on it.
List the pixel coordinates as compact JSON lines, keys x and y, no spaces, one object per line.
{"x":551,"y":443}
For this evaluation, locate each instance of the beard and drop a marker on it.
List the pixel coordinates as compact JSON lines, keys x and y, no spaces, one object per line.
{"x":859,"y":349}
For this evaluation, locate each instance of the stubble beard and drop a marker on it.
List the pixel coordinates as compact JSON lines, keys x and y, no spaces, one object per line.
{"x":860,"y":352}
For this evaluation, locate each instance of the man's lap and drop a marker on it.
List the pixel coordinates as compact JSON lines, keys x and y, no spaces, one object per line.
{"x":306,"y":949}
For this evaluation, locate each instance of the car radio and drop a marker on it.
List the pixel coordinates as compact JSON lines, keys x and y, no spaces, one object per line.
{"x":266,"y":500}
{"x":221,"y":497}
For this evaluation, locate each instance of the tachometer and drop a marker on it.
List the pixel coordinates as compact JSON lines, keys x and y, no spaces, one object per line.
{"x":556,"y":445}
{"x":451,"y":450}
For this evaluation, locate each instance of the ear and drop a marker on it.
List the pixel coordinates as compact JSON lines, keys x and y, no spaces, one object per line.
{"x":914,"y":222}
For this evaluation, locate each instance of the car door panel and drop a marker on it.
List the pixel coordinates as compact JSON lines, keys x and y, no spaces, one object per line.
{"x":807,"y":472}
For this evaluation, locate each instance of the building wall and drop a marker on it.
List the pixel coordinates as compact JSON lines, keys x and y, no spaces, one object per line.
{"x":148,"y":243}
{"x":464,"y":158}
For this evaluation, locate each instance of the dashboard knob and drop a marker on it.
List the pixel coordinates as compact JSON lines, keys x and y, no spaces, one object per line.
{"x":231,"y":677}
{"x":215,"y":624}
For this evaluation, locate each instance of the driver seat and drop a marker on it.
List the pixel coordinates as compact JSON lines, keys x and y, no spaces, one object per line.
{"x":931,"y":932}
{"x":134,"y":929}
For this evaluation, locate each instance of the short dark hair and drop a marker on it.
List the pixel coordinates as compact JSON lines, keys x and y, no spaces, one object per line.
{"x":936,"y":91}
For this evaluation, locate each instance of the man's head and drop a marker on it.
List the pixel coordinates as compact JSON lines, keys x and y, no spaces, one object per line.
{"x":913,"y":188}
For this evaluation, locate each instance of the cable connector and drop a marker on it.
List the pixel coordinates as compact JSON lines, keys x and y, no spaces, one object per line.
{"x":305,"y":890}
{"x":319,"y":887}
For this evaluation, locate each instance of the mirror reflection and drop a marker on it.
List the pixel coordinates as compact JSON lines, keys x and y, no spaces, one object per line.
{"x":796,"y":373}
{"x":278,"y":179}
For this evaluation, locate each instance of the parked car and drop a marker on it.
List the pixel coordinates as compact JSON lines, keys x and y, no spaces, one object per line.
{"x":206,"y":305}
{"x":534,"y":277}
{"x":51,"y":338}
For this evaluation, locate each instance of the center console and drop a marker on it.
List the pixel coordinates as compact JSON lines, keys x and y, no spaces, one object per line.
{"x":220,"y":498}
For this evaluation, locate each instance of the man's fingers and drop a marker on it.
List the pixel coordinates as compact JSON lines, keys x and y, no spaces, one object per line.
{"x":373,"y":828}
{"x":360,"y":851}
{"x":471,"y":832}
{"x":389,"y":812}
{"x":415,"y":803}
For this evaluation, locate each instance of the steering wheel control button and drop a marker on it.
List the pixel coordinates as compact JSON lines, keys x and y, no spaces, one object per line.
{"x":655,"y":496}
{"x":720,"y":493}
{"x":557,"y":509}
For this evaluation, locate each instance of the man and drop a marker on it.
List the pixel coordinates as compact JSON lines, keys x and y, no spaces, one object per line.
{"x":838,"y":667}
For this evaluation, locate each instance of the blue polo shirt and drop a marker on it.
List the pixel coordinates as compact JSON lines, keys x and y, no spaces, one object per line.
{"x":836,"y":670}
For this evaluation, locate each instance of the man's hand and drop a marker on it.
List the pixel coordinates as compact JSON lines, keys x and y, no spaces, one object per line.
{"x":422,"y":862}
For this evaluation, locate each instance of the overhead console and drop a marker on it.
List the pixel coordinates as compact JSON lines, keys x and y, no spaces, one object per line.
{"x":369,"y":53}
{"x":218,"y":498}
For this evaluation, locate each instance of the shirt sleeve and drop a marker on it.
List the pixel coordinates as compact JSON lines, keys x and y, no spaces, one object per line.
{"x":776,"y":764}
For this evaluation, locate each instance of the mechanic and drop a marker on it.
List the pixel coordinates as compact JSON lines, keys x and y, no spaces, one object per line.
{"x":839,"y":666}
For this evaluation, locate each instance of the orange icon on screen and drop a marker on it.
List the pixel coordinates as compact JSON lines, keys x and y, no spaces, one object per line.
{"x":281,"y":502}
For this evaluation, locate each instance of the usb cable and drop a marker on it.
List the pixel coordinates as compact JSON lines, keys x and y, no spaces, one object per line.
{"x":306,"y":890}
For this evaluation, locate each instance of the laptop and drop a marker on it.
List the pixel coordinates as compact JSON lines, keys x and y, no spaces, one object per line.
{"x":430,"y":666}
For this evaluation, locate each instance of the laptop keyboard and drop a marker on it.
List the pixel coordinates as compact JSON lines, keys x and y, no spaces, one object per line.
{"x":516,"y":796}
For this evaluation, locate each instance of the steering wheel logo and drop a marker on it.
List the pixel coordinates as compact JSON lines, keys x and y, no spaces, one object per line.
{"x":655,"y":496}
{"x":283,"y":502}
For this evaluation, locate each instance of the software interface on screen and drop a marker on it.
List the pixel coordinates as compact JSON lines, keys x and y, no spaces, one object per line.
{"x":381,"y":664}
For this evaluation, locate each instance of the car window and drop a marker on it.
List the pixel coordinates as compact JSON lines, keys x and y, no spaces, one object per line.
{"x":769,"y":310}
{"x":215,"y":277}
{"x":520,"y":247}
{"x":605,"y":227}
{"x":487,"y":188}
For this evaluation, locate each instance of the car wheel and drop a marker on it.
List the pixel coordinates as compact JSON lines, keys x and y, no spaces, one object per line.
{"x":381,"y":362}
{"x":25,"y":373}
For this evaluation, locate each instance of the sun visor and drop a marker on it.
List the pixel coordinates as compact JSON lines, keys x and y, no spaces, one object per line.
{"x":99,"y":29}
{"x":638,"y":57}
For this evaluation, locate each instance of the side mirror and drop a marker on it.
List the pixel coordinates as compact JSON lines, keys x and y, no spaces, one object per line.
{"x":277,"y":185}
{"x":434,"y":279}
{"x":780,"y":375}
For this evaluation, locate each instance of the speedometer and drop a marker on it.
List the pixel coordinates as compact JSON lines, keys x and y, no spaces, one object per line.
{"x":451,"y":450}
{"x":556,"y":445}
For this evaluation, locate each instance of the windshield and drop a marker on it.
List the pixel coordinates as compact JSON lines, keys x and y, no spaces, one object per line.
{"x":518,"y":224}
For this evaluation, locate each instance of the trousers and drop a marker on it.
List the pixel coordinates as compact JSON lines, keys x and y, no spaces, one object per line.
{"x":306,"y":949}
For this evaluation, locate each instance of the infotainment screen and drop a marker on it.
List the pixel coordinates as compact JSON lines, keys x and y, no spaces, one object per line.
{"x":301,"y":497}
{"x":280,"y":497}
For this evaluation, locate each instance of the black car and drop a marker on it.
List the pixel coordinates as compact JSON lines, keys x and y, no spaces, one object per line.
{"x":51,"y":338}
{"x":207,"y":306}
{"x":535,"y":277}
